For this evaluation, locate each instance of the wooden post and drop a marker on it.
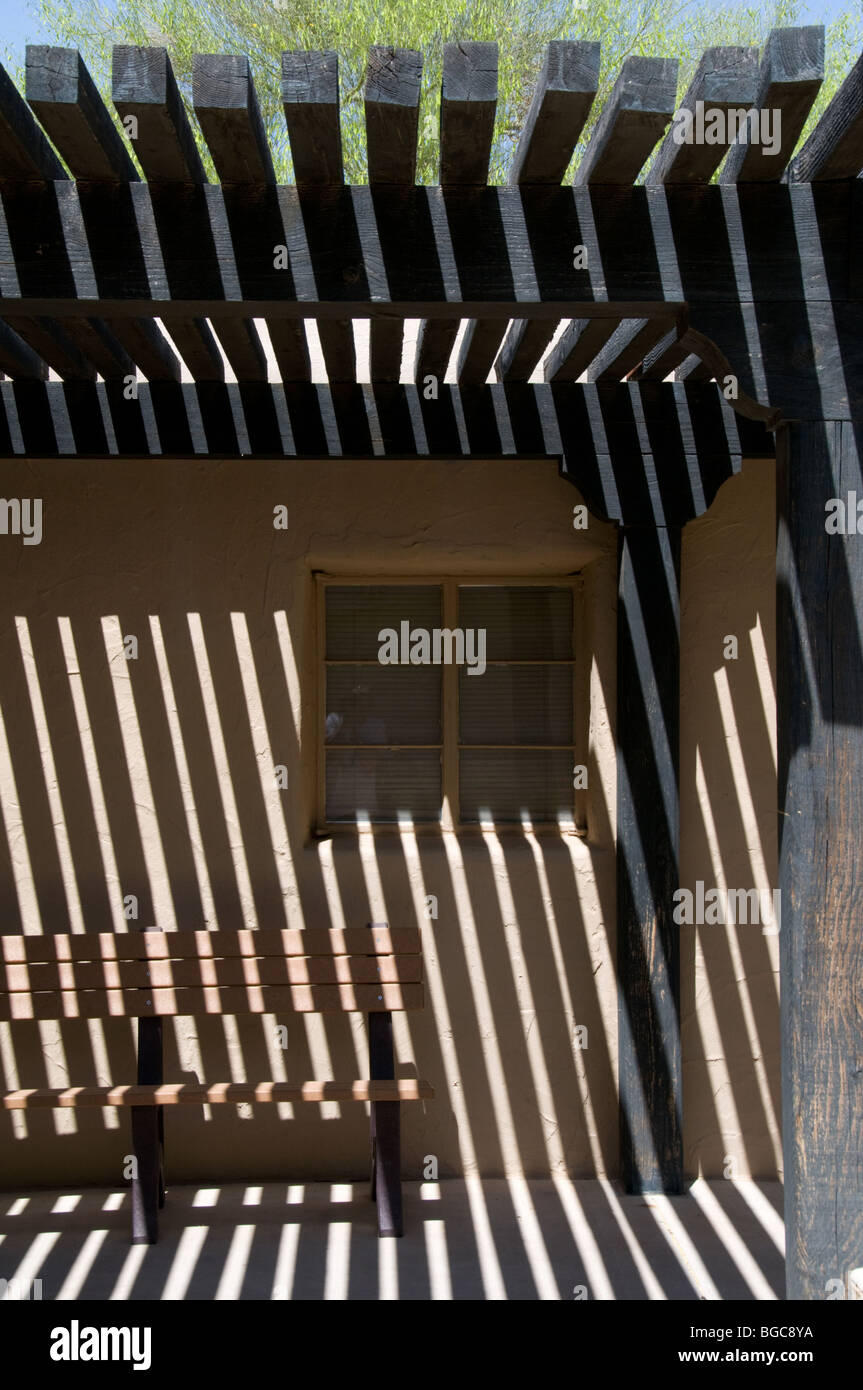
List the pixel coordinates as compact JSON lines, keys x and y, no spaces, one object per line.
{"x":820,"y":737}
{"x":648,"y":723}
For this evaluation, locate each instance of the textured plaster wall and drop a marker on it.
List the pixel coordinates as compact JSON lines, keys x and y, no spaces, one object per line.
{"x":154,"y":777}
{"x":730,"y":974}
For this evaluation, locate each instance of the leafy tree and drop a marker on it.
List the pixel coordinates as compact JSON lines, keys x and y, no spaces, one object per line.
{"x":264,"y":28}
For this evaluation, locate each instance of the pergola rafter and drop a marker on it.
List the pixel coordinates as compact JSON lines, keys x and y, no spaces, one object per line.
{"x":678,"y":326}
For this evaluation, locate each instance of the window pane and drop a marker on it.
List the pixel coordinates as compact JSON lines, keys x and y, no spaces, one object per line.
{"x":383,"y":704}
{"x":511,"y":785}
{"x":356,"y":613}
{"x":383,"y":786}
{"x":524,"y":623}
{"x":516,"y":704}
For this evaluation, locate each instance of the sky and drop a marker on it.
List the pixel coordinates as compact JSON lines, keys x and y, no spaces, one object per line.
{"x":19,"y":25}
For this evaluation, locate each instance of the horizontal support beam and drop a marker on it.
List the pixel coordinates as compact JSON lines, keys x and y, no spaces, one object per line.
{"x":594,"y":432}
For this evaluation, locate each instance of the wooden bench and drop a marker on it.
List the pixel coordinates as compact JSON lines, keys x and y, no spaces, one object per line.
{"x":153,"y":975}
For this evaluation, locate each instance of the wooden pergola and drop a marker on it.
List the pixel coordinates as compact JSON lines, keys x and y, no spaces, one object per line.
{"x":705,"y":322}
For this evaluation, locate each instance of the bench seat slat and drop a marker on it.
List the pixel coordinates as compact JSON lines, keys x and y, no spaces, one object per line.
{"x":230,"y":970}
{"x":179,"y":945}
{"x":175,"y":1003}
{"x":226,"y":1093}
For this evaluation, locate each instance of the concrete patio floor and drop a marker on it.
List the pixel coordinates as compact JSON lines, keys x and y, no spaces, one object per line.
{"x":474,"y":1239}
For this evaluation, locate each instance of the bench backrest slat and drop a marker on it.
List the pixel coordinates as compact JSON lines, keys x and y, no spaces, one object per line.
{"x":248,"y":999}
{"x":179,"y":945}
{"x":230,"y":970}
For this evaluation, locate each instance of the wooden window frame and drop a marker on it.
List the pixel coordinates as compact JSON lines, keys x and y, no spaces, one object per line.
{"x":450,"y":822}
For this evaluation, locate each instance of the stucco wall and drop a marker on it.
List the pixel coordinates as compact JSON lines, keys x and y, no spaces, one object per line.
{"x":154,"y":777}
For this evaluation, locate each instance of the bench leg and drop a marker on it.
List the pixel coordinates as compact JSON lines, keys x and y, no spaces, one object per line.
{"x":385,"y":1130}
{"x":146,"y":1186}
{"x":148,"y":1138}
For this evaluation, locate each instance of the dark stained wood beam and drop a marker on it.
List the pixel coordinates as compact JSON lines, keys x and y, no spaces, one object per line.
{"x":104,"y":349}
{"x":820,"y":773}
{"x":576,"y":348}
{"x":17,"y":358}
{"x":726,"y":79}
{"x":65,"y":98}
{"x":338,"y":348}
{"x":24,"y":151}
{"x":196,"y":344}
{"x":226,"y":105}
{"x":143,"y":85}
{"x":561,"y":104}
{"x":82,"y":346}
{"x":467,"y":112}
{"x":524,"y":344}
{"x":148,"y":346}
{"x":434,"y":347}
{"x":479,"y":348}
{"x":792,"y":70}
{"x":662,"y":358}
{"x":386,"y":341}
{"x":55,"y":343}
{"x":392,"y":104}
{"x":633,"y":119}
{"x":310,"y":97}
{"x":496,"y":418}
{"x":648,"y":845}
{"x":834,"y":150}
{"x":626,"y":348}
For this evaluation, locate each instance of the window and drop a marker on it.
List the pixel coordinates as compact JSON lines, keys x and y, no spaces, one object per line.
{"x":449,"y":703}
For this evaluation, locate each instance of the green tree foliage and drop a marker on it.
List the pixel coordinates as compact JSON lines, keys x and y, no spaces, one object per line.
{"x":264,"y":28}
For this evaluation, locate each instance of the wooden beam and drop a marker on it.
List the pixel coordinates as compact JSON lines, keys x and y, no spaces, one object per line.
{"x":338,"y":348}
{"x":196,"y":344}
{"x":792,"y":70}
{"x":834,"y":150}
{"x":392,"y":104}
{"x":54,"y":343}
{"x":633,"y":119}
{"x":310,"y":97}
{"x":17,"y":358}
{"x":819,"y":576}
{"x":479,"y":348}
{"x":143,"y":85}
{"x":392,"y":100}
{"x":561,"y":104}
{"x":467,"y":112}
{"x":434,"y":347}
{"x":648,"y":837}
{"x":725,"y":80}
{"x":24,"y":151}
{"x":147,"y":345}
{"x":386,"y":341}
{"x":626,"y":348}
{"x":65,"y":98}
{"x":179,"y":1003}
{"x":524,"y":343}
{"x":663,"y":357}
{"x":226,"y":105}
{"x":576,"y":348}
{"x":63,"y":94}
{"x":100,"y":347}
